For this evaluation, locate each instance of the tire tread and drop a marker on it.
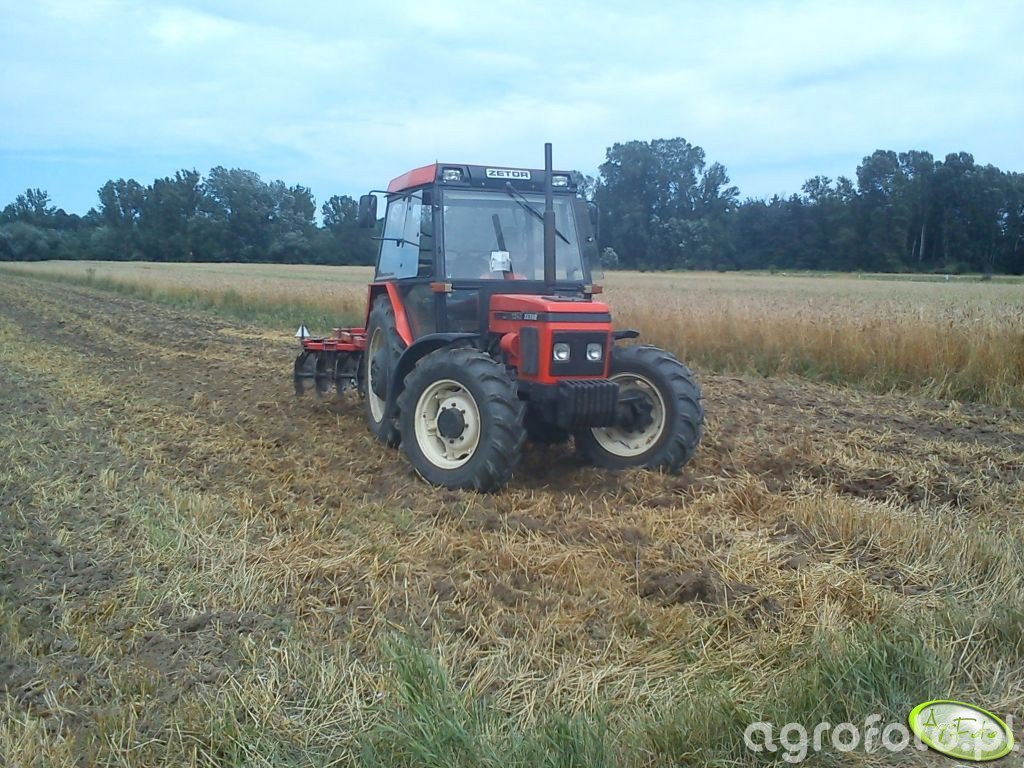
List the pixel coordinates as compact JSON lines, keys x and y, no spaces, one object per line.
{"x":382,"y":315}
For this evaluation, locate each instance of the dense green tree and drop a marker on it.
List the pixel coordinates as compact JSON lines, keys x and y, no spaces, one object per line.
{"x":343,"y":240}
{"x":31,"y":207}
{"x":256,"y":221}
{"x":121,"y":204}
{"x":918,"y":188}
{"x":906,"y":213}
{"x":21,"y":241}
{"x":663,"y":207}
{"x":31,"y":228}
{"x":167,"y":221}
{"x":339,"y":213}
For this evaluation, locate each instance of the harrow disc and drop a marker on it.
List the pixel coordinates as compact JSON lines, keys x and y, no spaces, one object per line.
{"x":305,"y":370}
{"x":324,"y":372}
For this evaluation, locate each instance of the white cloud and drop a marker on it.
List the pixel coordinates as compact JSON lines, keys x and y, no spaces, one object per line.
{"x":177,"y":27}
{"x":344,"y":97}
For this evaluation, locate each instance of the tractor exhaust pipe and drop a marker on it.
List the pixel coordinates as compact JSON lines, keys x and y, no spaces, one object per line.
{"x":549,"y":222}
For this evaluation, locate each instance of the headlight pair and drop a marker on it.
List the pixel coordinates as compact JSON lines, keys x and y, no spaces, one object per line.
{"x":561,"y":352}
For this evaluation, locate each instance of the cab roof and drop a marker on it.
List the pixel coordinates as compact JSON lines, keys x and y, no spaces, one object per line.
{"x":459,"y":175}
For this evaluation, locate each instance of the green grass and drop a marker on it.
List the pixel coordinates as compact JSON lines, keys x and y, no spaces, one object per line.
{"x":423,"y":718}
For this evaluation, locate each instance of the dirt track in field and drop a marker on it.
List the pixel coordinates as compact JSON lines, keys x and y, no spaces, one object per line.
{"x":115,"y":412}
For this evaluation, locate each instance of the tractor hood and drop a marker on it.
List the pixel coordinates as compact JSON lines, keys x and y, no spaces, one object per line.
{"x":548,"y":309}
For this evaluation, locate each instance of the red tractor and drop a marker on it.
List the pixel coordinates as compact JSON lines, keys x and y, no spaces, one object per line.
{"x":482,"y":332}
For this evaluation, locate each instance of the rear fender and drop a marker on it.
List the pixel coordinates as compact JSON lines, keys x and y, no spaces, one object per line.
{"x":412,"y":354}
{"x":397,"y":305}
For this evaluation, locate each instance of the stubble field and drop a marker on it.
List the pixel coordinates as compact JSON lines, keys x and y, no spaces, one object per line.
{"x":197,"y":568}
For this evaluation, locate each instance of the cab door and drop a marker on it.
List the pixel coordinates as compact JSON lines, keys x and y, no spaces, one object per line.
{"x":407,"y":255}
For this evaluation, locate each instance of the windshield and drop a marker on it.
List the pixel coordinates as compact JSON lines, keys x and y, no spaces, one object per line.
{"x":478,"y":225}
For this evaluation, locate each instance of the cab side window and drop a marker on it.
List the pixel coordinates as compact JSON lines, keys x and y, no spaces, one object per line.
{"x":400,"y":246}
{"x":426,"y":258}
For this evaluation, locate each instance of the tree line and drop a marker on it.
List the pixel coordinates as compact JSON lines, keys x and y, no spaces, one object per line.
{"x":230,"y":215}
{"x":663,"y":206}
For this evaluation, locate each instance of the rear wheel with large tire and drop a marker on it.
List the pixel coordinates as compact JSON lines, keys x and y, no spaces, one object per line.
{"x":383,"y":348}
{"x":461,"y":420}
{"x":660,"y":420}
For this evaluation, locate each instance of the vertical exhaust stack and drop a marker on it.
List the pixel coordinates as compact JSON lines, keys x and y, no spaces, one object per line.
{"x":549,"y":222}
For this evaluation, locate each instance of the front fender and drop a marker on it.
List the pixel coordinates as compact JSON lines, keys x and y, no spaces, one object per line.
{"x":420,"y":348}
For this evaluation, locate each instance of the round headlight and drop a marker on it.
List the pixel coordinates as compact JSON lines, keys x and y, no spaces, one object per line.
{"x":560,"y":351}
{"x":594,"y":352}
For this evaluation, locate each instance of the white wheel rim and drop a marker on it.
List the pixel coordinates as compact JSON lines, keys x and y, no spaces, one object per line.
{"x":377,"y":404}
{"x":441,"y":451}
{"x":620,"y":442}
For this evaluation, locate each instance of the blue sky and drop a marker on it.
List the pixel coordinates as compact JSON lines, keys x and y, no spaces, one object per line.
{"x":343,"y":96}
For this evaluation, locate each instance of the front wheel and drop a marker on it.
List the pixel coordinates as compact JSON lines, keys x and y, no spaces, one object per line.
{"x":461,"y":420}
{"x":660,"y":416}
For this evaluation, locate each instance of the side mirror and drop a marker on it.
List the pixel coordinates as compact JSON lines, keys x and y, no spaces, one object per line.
{"x":594,"y":214}
{"x":367,"y":216}
{"x":586,"y":214}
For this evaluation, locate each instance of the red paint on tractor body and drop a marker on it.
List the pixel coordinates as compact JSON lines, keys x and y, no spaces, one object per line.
{"x":401,"y":319}
{"x":417,"y":177}
{"x":510,"y":313}
{"x":342,"y":340}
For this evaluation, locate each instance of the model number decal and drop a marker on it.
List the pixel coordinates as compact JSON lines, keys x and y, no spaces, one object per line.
{"x":507,"y":173}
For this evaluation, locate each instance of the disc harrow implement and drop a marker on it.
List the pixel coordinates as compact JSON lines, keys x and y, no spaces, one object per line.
{"x":329,"y":363}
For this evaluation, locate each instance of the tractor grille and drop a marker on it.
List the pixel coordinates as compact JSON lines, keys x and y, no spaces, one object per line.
{"x":587,"y":403}
{"x":577,"y":364}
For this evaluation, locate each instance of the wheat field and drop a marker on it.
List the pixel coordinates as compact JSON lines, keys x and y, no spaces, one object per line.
{"x":961,"y":340}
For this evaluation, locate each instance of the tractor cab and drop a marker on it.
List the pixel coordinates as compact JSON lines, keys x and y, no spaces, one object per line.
{"x":454,"y":235}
